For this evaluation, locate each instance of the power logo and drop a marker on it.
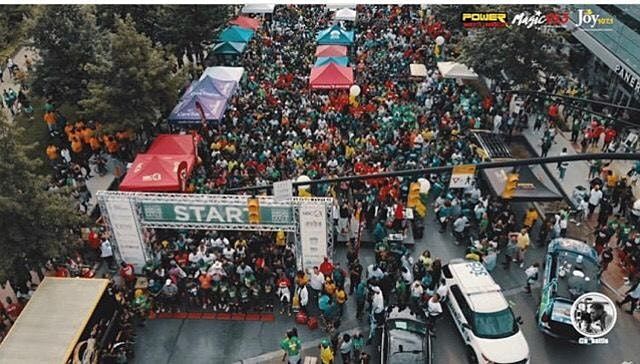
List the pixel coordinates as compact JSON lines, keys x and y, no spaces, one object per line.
{"x":484,"y":20}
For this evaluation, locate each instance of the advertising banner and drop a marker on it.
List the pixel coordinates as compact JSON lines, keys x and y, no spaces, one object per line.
{"x":313,"y":234}
{"x":126,"y":233}
{"x":174,"y":212}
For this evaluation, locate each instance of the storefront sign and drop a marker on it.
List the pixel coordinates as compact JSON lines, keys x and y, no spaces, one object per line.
{"x":159,"y":212}
{"x":463,"y":176}
{"x":628,"y":77}
{"x":126,"y":233}
{"x":313,"y":234}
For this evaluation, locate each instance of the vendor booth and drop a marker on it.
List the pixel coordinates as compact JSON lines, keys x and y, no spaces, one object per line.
{"x":246,"y":22}
{"x":236,"y":34}
{"x":161,"y":173}
{"x":345,"y":14}
{"x":229,"y":48}
{"x":331,"y":76}
{"x":258,"y":9}
{"x":224,"y":73}
{"x":196,"y":109}
{"x":173,"y":144}
{"x":331,"y":51}
{"x":335,"y":35}
{"x":323,"y":61}
{"x":418,"y":70}
{"x":209,"y":86}
{"x":456,"y":70}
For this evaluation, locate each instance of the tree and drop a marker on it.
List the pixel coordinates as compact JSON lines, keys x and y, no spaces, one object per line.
{"x":11,"y":19}
{"x":517,"y":50}
{"x":65,"y":36}
{"x":36,"y":224}
{"x":197,"y":24}
{"x":132,"y":81}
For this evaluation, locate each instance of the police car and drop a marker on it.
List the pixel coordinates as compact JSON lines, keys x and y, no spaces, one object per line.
{"x":483,"y":316}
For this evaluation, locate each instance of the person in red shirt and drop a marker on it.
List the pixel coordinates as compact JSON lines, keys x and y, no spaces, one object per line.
{"x":62,"y":272}
{"x":12,"y":309}
{"x":127,"y":273}
{"x":326,"y":267}
{"x":93,"y":240}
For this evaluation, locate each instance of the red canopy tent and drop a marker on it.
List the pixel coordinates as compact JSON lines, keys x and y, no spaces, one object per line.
{"x":331,"y":76}
{"x":172,"y":144}
{"x":246,"y":22}
{"x":331,"y":51}
{"x":158,"y":173}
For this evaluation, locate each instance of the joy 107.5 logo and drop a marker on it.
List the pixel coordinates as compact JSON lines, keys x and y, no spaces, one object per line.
{"x":587,"y":18}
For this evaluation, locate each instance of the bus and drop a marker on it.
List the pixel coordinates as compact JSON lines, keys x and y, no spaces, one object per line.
{"x":66,"y":321}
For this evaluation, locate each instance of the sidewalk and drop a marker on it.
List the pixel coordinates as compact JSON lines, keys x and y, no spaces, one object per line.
{"x":8,"y":82}
{"x":576,"y":175}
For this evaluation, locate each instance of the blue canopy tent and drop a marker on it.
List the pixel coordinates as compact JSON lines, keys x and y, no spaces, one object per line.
{"x":322,"y":61}
{"x":335,"y":35}
{"x":194,"y":110}
{"x":209,"y":86}
{"x":232,"y":48}
{"x":236,"y":34}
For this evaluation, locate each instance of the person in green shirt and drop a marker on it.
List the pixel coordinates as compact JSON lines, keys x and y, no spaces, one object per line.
{"x":291,"y":346}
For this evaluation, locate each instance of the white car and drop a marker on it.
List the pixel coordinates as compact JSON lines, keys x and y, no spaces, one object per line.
{"x":483,"y":316}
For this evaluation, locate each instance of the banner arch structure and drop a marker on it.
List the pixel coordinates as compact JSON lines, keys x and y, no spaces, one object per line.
{"x":128,"y":214}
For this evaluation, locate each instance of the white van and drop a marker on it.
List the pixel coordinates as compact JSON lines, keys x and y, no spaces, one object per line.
{"x":483,"y":316}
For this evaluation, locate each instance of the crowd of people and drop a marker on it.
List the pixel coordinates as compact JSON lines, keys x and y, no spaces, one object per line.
{"x":276,"y":128}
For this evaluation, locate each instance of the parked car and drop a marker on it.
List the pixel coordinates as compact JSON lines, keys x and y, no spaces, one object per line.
{"x":571,"y":270}
{"x":405,"y":338}
{"x":482,"y":315}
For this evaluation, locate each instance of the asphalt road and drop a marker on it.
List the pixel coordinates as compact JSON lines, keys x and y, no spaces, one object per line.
{"x":193,"y":341}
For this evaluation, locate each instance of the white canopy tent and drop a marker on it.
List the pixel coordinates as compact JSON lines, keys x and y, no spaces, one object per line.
{"x":258,"y":8}
{"x":456,"y":70}
{"x":224,"y":73}
{"x":345,"y":14}
{"x":418,"y":70}
{"x":338,"y":6}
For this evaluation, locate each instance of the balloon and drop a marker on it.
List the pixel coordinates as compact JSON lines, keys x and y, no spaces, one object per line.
{"x":440,"y":40}
{"x":354,"y":90}
{"x":303,"y":178}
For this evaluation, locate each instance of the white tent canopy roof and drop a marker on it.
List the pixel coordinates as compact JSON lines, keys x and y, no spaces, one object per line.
{"x":418,"y":70}
{"x":338,"y":6}
{"x":258,"y":8}
{"x":456,"y":70}
{"x":224,"y":73}
{"x":345,"y":14}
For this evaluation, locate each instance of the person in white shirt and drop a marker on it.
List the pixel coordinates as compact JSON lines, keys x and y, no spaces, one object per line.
{"x":106,"y":253}
{"x":316,"y":280}
{"x":228,"y":252}
{"x":434,"y":309}
{"x":532,"y":276}
{"x":594,"y":199}
{"x":303,"y":295}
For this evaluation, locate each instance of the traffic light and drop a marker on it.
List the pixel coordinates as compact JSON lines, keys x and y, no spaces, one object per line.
{"x":253,"y":205}
{"x":510,"y":186}
{"x":414,"y":201}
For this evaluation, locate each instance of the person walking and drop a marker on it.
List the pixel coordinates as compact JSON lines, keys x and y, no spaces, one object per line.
{"x":346,"y":347}
{"x":106,"y":253}
{"x":326,"y":352}
{"x":530,"y":218}
{"x":595,"y":195}
{"x":633,"y":296}
{"x":358,"y":345}
{"x":434,"y":310}
{"x":522,"y":243}
{"x":361,"y":296}
{"x":532,"y":276}
{"x":355,"y":275}
{"x":291,"y":346}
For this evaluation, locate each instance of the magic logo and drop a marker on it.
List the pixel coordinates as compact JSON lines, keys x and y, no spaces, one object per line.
{"x":538,"y":19}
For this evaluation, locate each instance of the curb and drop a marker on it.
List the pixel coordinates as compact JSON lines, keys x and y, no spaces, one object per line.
{"x":273,"y":355}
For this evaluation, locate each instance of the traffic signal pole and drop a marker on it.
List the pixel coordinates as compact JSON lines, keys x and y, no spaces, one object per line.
{"x":423,"y":171}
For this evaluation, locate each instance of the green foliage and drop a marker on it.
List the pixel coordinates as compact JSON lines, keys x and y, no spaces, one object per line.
{"x":12,"y":28}
{"x":131,"y":80}
{"x":66,"y":36}
{"x":177,"y":27}
{"x":519,"y":51}
{"x":36,"y":224}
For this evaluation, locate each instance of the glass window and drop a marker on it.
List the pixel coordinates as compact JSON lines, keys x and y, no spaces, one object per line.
{"x":495,"y":324}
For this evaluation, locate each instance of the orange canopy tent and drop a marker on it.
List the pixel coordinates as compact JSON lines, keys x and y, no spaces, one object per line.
{"x":158,"y":173}
{"x":331,"y":76}
{"x":172,"y":144}
{"x":331,"y":51}
{"x":246,"y":22}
